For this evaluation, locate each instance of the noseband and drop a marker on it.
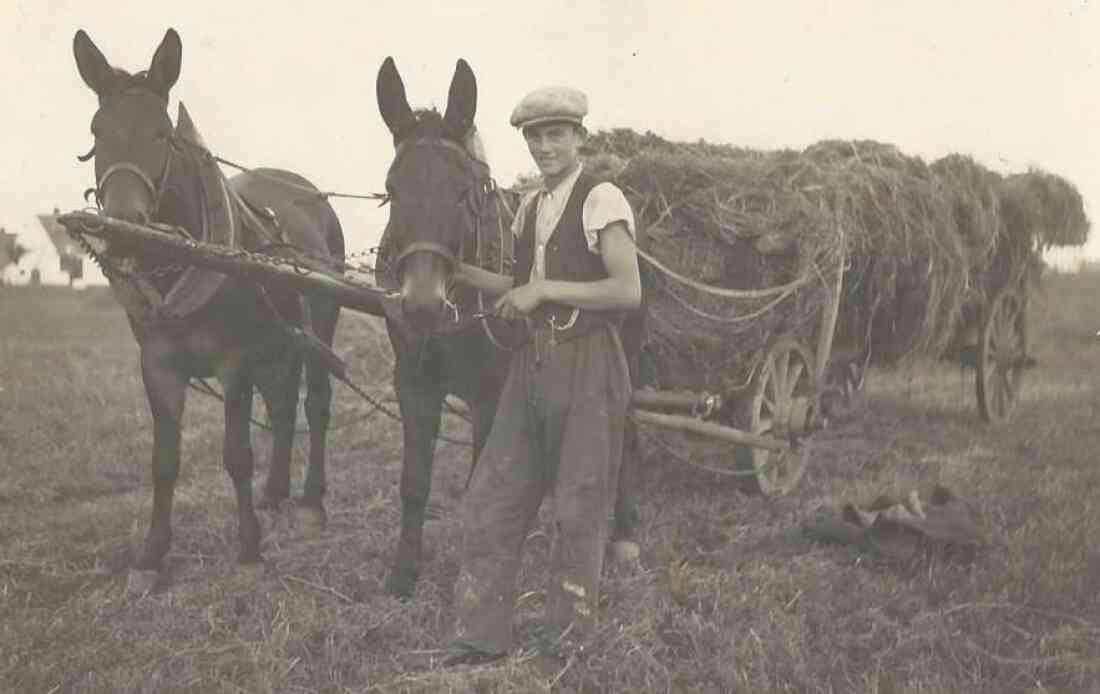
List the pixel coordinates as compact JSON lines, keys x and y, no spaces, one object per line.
{"x":155,"y":190}
{"x":432,"y":247}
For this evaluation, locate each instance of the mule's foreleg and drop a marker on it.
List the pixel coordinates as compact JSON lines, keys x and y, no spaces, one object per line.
{"x":482,"y":410}
{"x":278,"y":383}
{"x":318,"y":407}
{"x":237,"y":457}
{"x":420,"y":405}
{"x":318,"y":413}
{"x":165,"y":389}
{"x":323,"y":317}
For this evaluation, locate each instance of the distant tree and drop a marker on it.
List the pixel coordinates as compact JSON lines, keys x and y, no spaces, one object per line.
{"x":526,"y":181}
{"x":11,"y":251}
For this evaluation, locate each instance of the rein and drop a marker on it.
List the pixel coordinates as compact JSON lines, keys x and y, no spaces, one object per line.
{"x":320,"y":194}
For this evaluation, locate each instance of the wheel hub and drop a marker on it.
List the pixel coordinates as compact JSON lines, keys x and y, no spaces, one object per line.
{"x":797,"y":418}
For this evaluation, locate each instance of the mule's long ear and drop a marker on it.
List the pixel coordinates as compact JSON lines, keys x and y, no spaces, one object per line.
{"x":393,"y":104}
{"x":165,"y":68}
{"x":93,"y":67}
{"x":461,"y":100}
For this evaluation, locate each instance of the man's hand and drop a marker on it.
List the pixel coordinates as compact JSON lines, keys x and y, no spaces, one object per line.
{"x":520,"y":301}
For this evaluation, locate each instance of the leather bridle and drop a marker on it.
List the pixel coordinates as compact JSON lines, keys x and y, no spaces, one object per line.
{"x":477,"y":207}
{"x":155,"y":189}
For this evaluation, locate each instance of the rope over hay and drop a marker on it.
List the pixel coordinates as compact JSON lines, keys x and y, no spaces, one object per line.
{"x":923,"y":242}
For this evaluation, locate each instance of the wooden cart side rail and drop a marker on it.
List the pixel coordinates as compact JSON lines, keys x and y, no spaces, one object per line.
{"x":829,"y":315}
{"x":273,"y":270}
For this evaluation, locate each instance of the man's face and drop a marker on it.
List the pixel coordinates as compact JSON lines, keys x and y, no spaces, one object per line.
{"x":555,"y":147}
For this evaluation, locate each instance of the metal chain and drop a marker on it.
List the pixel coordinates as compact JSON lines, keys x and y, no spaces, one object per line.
{"x":111,"y":268}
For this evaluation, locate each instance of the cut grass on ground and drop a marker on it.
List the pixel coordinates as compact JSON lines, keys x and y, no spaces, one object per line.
{"x":729,"y":596}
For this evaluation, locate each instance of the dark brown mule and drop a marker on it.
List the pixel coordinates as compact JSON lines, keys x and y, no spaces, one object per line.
{"x":440,"y":204}
{"x":190,"y":323}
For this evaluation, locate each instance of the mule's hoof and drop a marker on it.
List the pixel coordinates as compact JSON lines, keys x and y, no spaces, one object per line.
{"x":625,"y":551}
{"x":270,"y":503}
{"x":401,"y":583}
{"x":141,"y":582}
{"x":251,"y":571}
{"x":311,"y":519}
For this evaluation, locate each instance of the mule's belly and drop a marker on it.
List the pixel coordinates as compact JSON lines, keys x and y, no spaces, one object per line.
{"x":217,"y":339}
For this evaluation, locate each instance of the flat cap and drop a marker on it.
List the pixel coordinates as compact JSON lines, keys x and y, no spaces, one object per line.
{"x":550,"y":104}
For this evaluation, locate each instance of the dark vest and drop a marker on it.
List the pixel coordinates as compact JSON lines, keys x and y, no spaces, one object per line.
{"x":567,"y":258}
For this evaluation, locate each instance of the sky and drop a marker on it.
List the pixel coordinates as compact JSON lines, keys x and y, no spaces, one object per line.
{"x":291,"y":84}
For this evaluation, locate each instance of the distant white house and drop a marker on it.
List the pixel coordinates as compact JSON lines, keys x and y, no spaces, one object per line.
{"x":52,"y":257}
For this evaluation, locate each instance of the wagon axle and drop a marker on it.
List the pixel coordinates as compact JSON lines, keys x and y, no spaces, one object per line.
{"x":797,"y":418}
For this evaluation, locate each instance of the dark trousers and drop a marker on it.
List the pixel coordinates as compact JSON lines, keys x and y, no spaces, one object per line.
{"x":558,"y":428}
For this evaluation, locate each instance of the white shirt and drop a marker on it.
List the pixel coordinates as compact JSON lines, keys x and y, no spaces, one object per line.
{"x":604,"y":205}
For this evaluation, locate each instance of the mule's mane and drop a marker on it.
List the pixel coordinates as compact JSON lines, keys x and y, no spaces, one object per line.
{"x":428,"y":122}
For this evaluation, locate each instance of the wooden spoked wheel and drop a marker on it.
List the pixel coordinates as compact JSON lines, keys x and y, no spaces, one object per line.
{"x":782,"y":404}
{"x":1002,"y":356}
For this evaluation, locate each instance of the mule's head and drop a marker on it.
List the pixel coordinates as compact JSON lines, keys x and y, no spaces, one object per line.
{"x":434,"y":189}
{"x":133,"y":133}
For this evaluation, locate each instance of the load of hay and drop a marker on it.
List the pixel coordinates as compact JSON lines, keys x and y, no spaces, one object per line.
{"x":920,"y":243}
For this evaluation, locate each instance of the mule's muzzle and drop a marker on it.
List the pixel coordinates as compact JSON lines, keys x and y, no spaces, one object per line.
{"x":425,"y":271}
{"x":422,"y":319}
{"x":127,"y":194}
{"x":422,"y":307}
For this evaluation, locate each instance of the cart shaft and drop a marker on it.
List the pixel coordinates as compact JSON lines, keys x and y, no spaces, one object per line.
{"x":718,"y":431}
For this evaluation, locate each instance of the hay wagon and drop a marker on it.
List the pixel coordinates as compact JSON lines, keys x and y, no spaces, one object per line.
{"x":767,"y":409}
{"x":752,"y":367}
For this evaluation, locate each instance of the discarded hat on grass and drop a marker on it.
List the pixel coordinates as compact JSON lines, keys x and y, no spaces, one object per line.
{"x":550,"y":105}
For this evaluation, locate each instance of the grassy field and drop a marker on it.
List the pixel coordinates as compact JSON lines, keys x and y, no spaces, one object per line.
{"x":729,"y":595}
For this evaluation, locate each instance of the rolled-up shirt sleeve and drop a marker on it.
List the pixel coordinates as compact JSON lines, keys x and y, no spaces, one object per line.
{"x":604,"y":205}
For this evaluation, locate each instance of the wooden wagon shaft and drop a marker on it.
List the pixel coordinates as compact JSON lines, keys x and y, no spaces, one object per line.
{"x":237,"y":262}
{"x":675,"y":399}
{"x":682,"y":423}
{"x":717,"y":431}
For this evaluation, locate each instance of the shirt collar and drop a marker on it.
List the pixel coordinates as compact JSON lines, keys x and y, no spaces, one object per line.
{"x":566,"y":184}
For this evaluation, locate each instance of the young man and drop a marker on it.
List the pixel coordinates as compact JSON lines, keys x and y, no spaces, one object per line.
{"x":559,"y":425}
